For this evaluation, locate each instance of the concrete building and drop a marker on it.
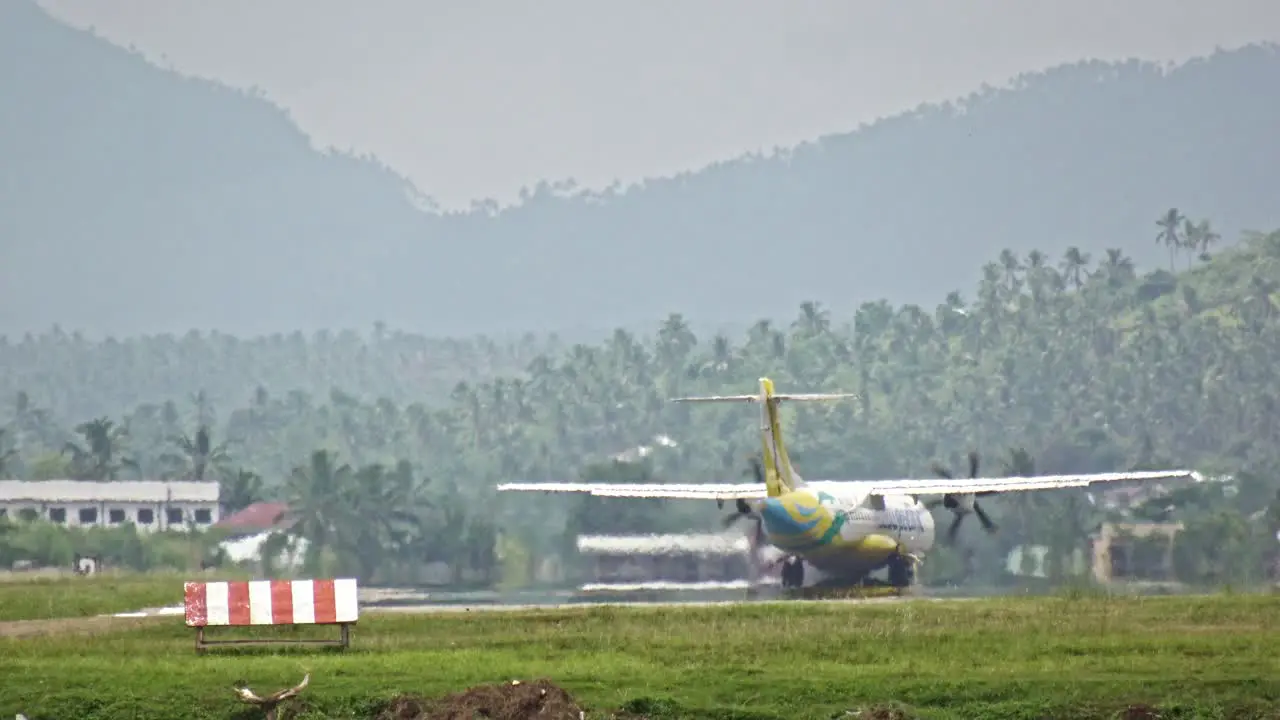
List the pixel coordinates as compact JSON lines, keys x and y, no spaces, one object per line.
{"x":616,"y":561}
{"x":148,"y":504}
{"x":1115,"y":556}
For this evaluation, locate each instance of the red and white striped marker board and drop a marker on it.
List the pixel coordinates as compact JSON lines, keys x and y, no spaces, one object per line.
{"x":271,"y":602}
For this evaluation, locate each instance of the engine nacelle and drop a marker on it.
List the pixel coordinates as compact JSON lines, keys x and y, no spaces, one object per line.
{"x":959,"y":503}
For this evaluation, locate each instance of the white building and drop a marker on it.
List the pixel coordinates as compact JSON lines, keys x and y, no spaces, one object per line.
{"x":670,"y":562}
{"x":148,"y":504}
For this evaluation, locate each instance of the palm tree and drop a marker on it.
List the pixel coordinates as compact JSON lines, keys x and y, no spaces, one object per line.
{"x":1206,"y":238}
{"x":813,"y":320}
{"x":1169,"y":224}
{"x":239,"y":489}
{"x":675,"y":339}
{"x":1019,"y":463}
{"x":316,"y":494}
{"x":721,"y":359}
{"x":1012,"y":267}
{"x":197,"y":455}
{"x":1074,"y":262}
{"x":1117,"y":268}
{"x":32,"y":423}
{"x":388,"y":511}
{"x":204,"y":408}
{"x":101,"y":457}
{"x":449,"y":542}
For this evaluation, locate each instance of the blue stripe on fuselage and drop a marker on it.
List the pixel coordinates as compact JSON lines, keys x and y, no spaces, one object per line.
{"x":788,"y":533}
{"x":837,"y":522}
{"x":777,"y":521}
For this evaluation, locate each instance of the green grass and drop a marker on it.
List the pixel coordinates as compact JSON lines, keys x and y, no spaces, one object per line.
{"x":1058,"y":657}
{"x":44,"y":598}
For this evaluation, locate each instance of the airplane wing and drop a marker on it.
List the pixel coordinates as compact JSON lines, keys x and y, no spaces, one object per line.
{"x":708,"y":491}
{"x":1009,"y":484}
{"x":905,"y":486}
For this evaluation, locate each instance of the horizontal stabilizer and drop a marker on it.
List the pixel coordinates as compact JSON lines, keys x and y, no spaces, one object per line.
{"x":800,"y":397}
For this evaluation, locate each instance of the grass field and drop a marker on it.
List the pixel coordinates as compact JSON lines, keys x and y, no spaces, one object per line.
{"x":1058,"y":657}
{"x":42,"y":598}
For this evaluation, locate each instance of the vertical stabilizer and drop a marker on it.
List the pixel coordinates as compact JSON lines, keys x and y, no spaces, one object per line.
{"x":779,"y":476}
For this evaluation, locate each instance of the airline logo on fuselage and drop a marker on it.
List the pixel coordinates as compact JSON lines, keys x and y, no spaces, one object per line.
{"x":899,"y":520}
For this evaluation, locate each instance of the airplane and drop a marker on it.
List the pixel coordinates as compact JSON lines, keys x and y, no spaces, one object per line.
{"x":835,"y":533}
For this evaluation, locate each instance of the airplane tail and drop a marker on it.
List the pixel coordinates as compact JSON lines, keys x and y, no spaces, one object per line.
{"x":779,"y":476}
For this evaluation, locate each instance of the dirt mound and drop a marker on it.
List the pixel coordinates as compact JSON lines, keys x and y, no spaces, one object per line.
{"x":537,"y":700}
{"x":1139,"y":712}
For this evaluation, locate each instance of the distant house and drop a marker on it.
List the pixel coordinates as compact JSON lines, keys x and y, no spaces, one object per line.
{"x":256,"y":519}
{"x":148,"y":504}
{"x":248,"y":529}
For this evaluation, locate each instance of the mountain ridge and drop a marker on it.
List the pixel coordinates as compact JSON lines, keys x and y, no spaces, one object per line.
{"x":200,"y":208}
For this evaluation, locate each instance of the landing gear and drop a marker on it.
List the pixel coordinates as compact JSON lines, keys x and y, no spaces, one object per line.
{"x":902,"y":571}
{"x":792,"y":573}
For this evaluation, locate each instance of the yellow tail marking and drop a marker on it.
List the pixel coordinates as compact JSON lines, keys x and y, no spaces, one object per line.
{"x":776,"y":483}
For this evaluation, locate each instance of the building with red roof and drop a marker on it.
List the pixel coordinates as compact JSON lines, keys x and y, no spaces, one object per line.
{"x":257,"y":518}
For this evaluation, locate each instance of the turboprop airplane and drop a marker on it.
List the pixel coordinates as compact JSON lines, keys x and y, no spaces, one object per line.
{"x":840,"y":530}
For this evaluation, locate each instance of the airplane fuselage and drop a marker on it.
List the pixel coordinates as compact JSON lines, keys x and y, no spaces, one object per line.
{"x":844,"y":536}
{"x":835,"y":530}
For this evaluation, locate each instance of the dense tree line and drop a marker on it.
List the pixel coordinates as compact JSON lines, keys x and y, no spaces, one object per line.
{"x":228,"y":213}
{"x":1082,"y":363}
{"x":75,"y":378}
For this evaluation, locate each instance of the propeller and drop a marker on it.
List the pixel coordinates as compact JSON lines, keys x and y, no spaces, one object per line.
{"x":755,"y":536}
{"x":744,"y":509}
{"x":962,"y":503}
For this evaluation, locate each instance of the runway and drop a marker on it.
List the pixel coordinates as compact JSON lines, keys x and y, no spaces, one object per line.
{"x":430,"y":609}
{"x":403,"y":602}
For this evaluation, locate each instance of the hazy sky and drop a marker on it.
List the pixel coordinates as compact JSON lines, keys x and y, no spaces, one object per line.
{"x":475,"y":99}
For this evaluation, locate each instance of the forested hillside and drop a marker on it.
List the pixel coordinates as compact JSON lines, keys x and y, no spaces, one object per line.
{"x":73,"y":377}
{"x":133,"y":199}
{"x":1082,"y":361}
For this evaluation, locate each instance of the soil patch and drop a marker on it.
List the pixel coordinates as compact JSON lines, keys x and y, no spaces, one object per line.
{"x":536,"y":700}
